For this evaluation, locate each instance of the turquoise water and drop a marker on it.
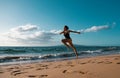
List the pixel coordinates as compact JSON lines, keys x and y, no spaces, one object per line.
{"x":13,"y":55}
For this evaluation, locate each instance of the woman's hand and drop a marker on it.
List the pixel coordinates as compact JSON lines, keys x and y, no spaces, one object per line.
{"x":78,"y":32}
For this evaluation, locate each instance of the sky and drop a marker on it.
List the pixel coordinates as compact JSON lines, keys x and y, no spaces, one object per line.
{"x":38,"y":22}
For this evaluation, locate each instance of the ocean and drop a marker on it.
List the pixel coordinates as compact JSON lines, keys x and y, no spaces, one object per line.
{"x":19,"y":55}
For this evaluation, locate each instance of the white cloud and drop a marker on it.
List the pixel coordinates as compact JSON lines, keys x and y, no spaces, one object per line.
{"x":28,"y":35}
{"x":97,"y":28}
{"x":25,"y":28}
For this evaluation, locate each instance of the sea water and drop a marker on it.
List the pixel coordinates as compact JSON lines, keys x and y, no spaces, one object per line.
{"x":14,"y":55}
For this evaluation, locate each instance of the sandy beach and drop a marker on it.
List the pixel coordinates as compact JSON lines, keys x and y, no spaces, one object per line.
{"x":94,"y":67}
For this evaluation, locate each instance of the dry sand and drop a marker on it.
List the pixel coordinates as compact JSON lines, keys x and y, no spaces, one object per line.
{"x":94,"y":67}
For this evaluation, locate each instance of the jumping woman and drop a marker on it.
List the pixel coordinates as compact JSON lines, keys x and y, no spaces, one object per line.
{"x":68,"y":41}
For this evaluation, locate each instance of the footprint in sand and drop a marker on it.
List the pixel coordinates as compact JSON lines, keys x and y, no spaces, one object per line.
{"x":58,"y":66}
{"x":64,"y":71}
{"x":1,"y":72}
{"x":12,"y":68}
{"x":70,"y":64}
{"x":100,"y":62}
{"x":41,"y":67}
{"x":28,"y":67}
{"x":32,"y":76}
{"x":81,"y":72}
{"x":38,"y":76}
{"x":83,"y":63}
{"x":16,"y":72}
{"x":118,"y":63}
{"x":9,"y":69}
{"x":107,"y":62}
{"x":89,"y":61}
{"x":42,"y":76}
{"x":116,"y":58}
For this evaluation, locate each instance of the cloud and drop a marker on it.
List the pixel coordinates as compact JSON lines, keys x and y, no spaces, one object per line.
{"x":29,"y":35}
{"x":25,"y":28}
{"x":98,"y":28}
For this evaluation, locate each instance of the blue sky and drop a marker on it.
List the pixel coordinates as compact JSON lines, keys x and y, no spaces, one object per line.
{"x":46,"y":17}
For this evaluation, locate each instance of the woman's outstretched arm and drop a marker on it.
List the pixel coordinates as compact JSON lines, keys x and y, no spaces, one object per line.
{"x":74,"y":31}
{"x":61,"y":32}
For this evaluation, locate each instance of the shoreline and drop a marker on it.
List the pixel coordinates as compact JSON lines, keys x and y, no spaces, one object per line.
{"x":53,"y":60}
{"x":105,"y":66}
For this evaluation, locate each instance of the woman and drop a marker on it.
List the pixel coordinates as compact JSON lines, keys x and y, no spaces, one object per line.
{"x":68,"y":41}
